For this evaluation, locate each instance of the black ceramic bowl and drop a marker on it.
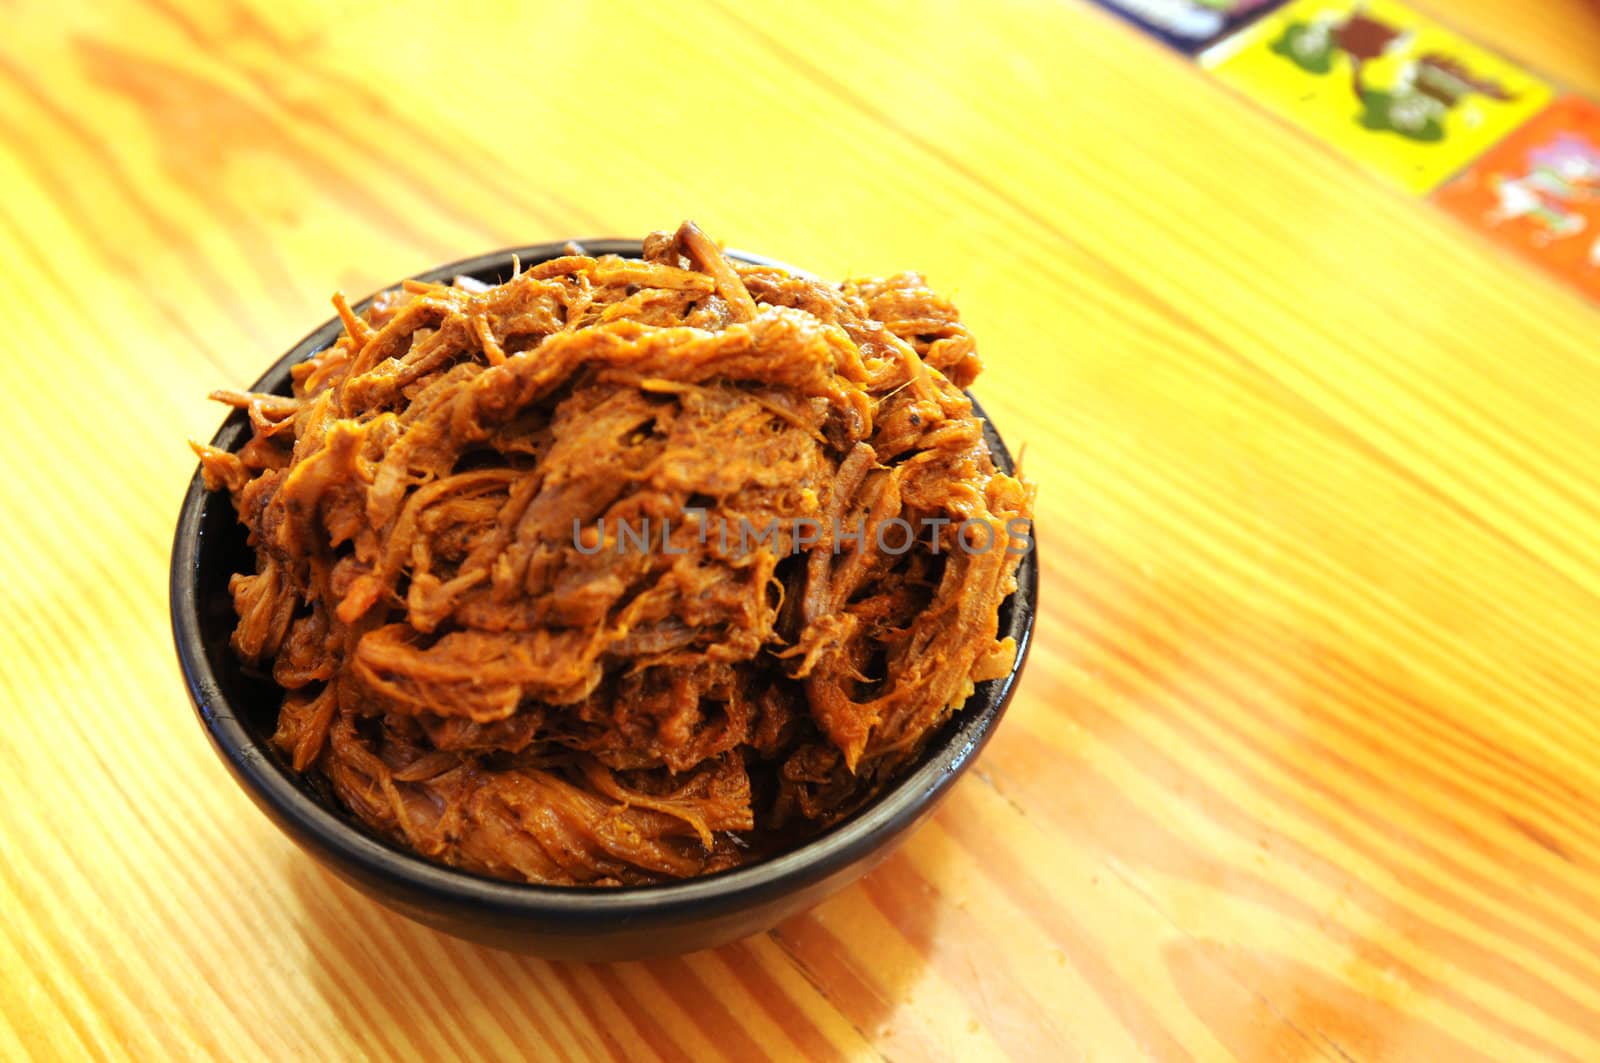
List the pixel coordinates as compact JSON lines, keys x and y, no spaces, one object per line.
{"x":239,"y":713}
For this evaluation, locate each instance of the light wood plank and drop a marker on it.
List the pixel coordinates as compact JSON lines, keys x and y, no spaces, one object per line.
{"x":1306,"y":764}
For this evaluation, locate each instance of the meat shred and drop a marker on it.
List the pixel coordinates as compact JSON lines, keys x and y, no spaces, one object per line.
{"x":489,"y":670}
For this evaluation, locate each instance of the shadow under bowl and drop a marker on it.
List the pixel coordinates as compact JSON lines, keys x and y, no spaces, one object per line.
{"x":239,"y":713}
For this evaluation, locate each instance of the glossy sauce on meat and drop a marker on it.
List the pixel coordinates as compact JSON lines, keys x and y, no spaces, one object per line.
{"x":489,"y":671}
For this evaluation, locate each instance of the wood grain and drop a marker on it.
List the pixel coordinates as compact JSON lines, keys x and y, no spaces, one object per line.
{"x":1305,"y":764}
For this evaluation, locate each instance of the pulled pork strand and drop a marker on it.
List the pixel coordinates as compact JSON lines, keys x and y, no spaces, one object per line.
{"x":481,"y":668}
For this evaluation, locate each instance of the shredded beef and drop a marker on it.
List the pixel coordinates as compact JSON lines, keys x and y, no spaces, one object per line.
{"x":490,"y":670}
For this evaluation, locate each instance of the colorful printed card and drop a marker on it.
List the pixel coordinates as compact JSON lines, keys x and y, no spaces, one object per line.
{"x":1381,"y":83}
{"x":1189,"y":25}
{"x":1539,"y":192}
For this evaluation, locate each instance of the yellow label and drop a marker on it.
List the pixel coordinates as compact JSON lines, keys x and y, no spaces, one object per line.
{"x":1383,"y":84}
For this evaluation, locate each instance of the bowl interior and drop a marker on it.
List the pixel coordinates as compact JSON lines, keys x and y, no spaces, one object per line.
{"x":240,"y":710}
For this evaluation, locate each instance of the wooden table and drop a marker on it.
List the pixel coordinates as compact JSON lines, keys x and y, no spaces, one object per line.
{"x":1305,"y":763}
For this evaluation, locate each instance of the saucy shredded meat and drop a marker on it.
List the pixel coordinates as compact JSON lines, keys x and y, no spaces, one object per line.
{"x":583,"y":578}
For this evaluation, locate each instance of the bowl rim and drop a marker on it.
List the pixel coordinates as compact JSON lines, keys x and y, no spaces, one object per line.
{"x":269,"y":784}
